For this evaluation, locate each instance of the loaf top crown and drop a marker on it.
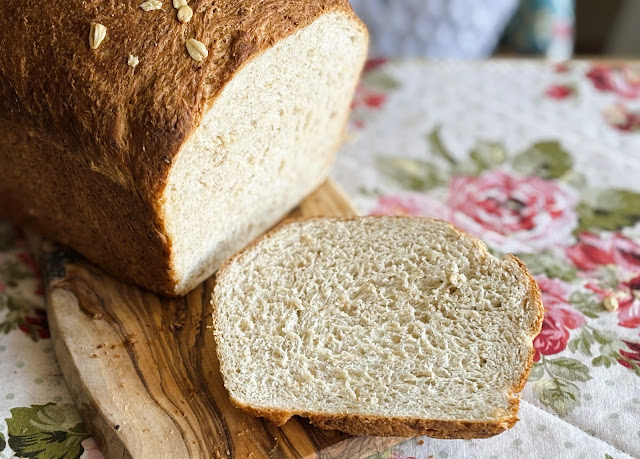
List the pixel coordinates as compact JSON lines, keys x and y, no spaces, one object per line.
{"x":129,"y":122}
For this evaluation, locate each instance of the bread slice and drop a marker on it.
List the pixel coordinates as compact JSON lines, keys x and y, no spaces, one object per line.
{"x":377,"y":326}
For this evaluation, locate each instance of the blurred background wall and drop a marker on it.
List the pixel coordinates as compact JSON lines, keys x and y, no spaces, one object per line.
{"x":556,"y":29}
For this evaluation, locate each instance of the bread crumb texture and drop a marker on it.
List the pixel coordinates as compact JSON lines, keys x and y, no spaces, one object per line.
{"x":398,"y":318}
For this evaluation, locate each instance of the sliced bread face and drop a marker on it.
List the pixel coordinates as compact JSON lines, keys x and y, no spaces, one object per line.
{"x":267,"y":142}
{"x":377,"y":326}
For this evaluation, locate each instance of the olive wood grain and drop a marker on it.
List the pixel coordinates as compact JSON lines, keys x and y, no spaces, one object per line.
{"x":144,"y":373}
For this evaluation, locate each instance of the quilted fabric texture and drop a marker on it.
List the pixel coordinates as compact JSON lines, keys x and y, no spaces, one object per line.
{"x":435,"y":28}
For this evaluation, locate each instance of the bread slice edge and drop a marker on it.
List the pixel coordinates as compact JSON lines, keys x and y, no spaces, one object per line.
{"x":391,"y":426}
{"x":366,"y":424}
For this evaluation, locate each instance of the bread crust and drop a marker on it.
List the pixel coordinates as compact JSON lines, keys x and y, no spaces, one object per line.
{"x":87,"y":142}
{"x":362,"y":424}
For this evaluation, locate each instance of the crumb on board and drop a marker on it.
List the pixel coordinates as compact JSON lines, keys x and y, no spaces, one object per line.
{"x":94,"y":356}
{"x":131,"y":339}
{"x":180,"y":320}
{"x":97,"y":316}
{"x":421,"y":442}
{"x":100,"y":346}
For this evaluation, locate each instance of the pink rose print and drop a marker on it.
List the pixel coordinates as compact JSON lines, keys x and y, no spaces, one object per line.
{"x":593,"y":251}
{"x":621,"y":80}
{"x":30,"y":262}
{"x":629,"y":310}
{"x":395,"y":455}
{"x":21,"y":238}
{"x":559,"y":318}
{"x":414,"y":204}
{"x":633,"y":354}
{"x":628,"y":297}
{"x":514,"y":214}
{"x":559,"y":91}
{"x":91,"y":450}
{"x":618,"y":117}
{"x":35,"y":324}
{"x":561,"y":67}
{"x":374,"y":63}
{"x":368,"y":98}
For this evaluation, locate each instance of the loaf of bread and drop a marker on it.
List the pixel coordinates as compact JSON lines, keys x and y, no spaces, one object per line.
{"x":158,"y":140}
{"x":377,"y":326}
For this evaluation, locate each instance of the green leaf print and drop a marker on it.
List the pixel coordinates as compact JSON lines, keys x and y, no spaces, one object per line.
{"x":412,"y":174}
{"x":559,"y":395}
{"x":609,"y":353}
{"x":22,"y":312}
{"x":46,"y":431}
{"x":603,"y":361}
{"x":587,"y":303}
{"x":568,"y":369}
{"x":604,"y":337}
{"x":12,"y":272}
{"x":544,"y":159}
{"x":582,"y":343}
{"x":12,"y":303}
{"x":7,"y":240}
{"x":371,"y":192}
{"x":608,"y":209}
{"x":537,"y":372}
{"x":3,"y":443}
{"x":487,"y":155}
{"x":607,"y":277}
{"x":438,"y":148}
{"x":559,"y":391}
{"x":380,"y":80}
{"x":388,"y":454}
{"x":609,"y":344}
{"x":575,"y":179}
{"x":549,"y":264}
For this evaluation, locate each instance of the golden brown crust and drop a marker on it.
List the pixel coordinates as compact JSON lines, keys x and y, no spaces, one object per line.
{"x":535,"y":301}
{"x":87,"y":141}
{"x":355,"y":424}
{"x":400,"y":427}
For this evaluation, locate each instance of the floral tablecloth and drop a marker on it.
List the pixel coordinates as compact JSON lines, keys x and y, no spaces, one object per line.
{"x":537,"y":159}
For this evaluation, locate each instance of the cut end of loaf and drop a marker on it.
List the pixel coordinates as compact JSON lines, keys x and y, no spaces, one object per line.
{"x":377,"y":325}
{"x":267,"y":142}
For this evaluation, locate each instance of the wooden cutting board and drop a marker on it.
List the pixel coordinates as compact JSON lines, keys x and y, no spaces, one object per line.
{"x":144,"y":373}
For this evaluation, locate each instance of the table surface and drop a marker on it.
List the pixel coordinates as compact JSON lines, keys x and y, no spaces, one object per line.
{"x":536,"y":159}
